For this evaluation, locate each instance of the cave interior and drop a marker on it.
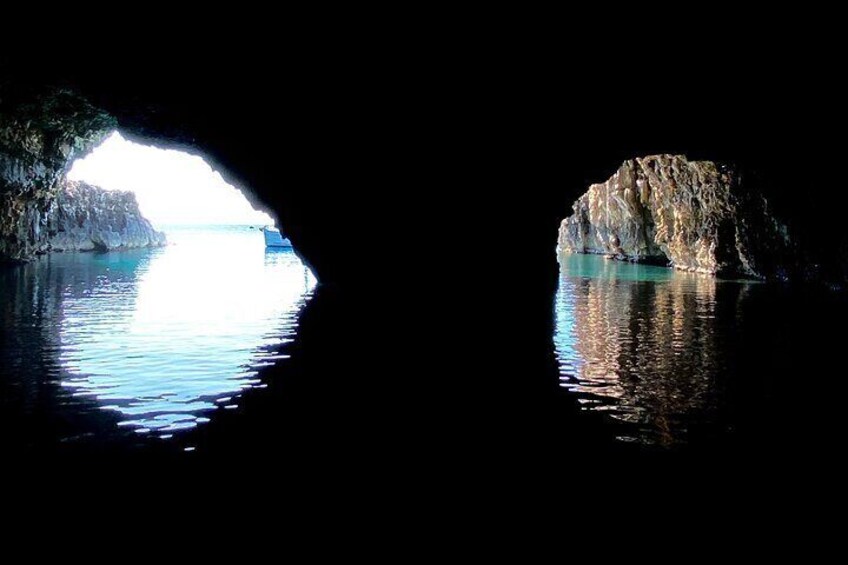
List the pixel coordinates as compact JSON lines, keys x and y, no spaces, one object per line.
{"x":427,"y":200}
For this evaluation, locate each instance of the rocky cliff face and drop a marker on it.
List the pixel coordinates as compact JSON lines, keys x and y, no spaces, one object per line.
{"x":39,"y":139}
{"x":87,"y":217}
{"x":692,"y":215}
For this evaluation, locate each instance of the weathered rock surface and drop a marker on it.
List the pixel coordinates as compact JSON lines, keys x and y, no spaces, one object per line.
{"x":691,"y":215}
{"x":39,"y":139}
{"x":87,"y":217}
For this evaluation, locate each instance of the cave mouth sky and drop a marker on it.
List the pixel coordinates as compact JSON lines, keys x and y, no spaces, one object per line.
{"x":172,"y":187}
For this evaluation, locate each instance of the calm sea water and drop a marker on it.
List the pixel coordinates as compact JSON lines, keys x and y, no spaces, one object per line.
{"x":670,"y":358}
{"x":641,"y":343}
{"x":172,"y":349}
{"x":148,"y":342}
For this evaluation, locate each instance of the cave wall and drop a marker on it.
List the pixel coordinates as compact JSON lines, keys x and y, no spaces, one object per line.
{"x":40,"y":137}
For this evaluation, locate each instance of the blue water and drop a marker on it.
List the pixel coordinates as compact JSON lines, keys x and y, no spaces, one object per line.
{"x":648,"y":346}
{"x":146,"y":349}
{"x":160,"y":339}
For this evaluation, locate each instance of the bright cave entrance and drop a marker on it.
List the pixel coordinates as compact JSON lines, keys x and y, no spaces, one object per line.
{"x":163,"y":337}
{"x":172,"y":187}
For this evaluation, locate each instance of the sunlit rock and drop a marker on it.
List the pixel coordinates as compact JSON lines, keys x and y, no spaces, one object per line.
{"x":86,"y":217}
{"x":692,"y":215}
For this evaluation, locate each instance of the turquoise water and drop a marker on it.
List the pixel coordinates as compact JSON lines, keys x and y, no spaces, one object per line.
{"x":647,"y":346}
{"x":161,"y":339}
{"x":134,"y":350}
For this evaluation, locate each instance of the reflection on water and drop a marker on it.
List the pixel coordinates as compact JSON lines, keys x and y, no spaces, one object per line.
{"x":160,"y":338}
{"x":644,"y":344}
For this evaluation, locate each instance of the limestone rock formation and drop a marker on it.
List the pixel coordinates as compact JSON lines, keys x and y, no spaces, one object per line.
{"x":87,"y":217}
{"x":691,"y":215}
{"x":40,"y":137}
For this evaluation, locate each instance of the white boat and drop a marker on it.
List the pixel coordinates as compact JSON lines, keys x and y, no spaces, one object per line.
{"x":273,"y":238}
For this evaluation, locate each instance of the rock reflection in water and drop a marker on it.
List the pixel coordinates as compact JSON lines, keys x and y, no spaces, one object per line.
{"x":647,"y":345}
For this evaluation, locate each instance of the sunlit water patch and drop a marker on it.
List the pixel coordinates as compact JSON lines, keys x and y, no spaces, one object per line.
{"x":645,"y":345}
{"x":162,"y":338}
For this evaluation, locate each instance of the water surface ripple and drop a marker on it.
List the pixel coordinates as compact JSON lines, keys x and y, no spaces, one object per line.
{"x":160,"y":338}
{"x":645,"y":345}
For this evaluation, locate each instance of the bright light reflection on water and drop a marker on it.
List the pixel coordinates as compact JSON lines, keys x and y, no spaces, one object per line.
{"x":164,"y":337}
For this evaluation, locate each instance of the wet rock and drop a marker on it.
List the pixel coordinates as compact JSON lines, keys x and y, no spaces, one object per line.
{"x":692,"y":215}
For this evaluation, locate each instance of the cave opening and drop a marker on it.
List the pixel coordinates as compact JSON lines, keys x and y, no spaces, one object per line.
{"x":165,"y":297}
{"x":369,"y":180}
{"x":172,"y":187}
